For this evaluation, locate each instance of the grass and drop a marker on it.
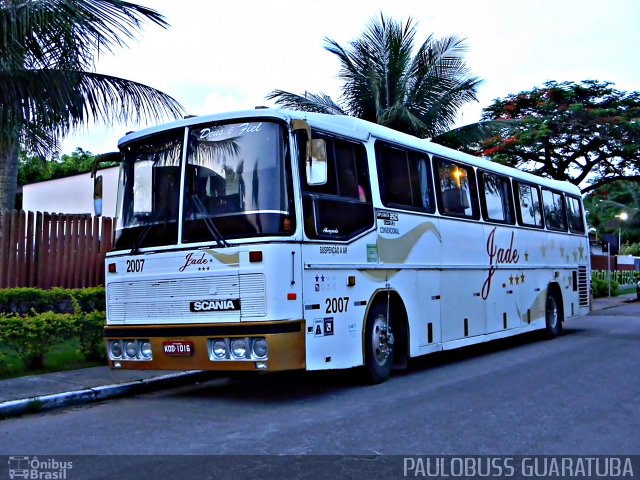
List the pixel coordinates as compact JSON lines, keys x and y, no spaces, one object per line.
{"x":61,"y":357}
{"x":626,"y":290}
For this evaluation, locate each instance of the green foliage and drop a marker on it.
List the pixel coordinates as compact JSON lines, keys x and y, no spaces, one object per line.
{"x":90,"y":331}
{"x":579,"y":132}
{"x":36,"y":169}
{"x":23,"y":301}
{"x":600,"y":287}
{"x":65,"y":326}
{"x":632,"y":249}
{"x":31,"y":337}
{"x":607,"y":202}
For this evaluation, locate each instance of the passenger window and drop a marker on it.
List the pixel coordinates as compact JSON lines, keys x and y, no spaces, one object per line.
{"x":405,"y":179}
{"x":348,"y":175}
{"x":495,"y":193}
{"x":341,"y":208}
{"x":529,"y":206}
{"x":574,"y":214}
{"x":554,"y":213}
{"x":457,"y":192}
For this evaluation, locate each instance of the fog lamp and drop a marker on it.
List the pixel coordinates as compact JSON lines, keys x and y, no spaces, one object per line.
{"x":260,"y":348}
{"x":239,"y":348}
{"x":131,"y":349}
{"x":115,"y":349}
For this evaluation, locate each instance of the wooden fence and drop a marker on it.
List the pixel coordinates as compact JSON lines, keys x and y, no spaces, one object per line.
{"x":53,"y":250}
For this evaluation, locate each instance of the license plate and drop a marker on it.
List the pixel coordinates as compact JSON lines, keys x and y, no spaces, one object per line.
{"x":176,"y":348}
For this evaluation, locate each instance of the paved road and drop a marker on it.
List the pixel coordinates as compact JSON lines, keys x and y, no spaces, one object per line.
{"x":578,"y":394}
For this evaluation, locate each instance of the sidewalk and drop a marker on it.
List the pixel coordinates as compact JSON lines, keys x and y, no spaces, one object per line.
{"x":609,"y":302}
{"x":37,"y":393}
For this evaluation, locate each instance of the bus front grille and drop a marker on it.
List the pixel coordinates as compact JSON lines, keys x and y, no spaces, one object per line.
{"x":166,"y":301}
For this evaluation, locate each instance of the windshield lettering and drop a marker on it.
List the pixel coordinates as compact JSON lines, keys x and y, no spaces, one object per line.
{"x":228,"y":131}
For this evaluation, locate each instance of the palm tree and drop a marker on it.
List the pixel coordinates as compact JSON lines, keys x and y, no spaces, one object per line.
{"x":48,"y":85}
{"x":385,"y":83}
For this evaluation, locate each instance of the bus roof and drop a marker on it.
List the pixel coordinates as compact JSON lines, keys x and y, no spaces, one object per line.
{"x":358,"y":129}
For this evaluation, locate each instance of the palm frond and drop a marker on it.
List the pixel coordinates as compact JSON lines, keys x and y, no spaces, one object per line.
{"x":41,"y":34}
{"x":469,"y":136}
{"x":49,"y":103}
{"x":310,"y":102}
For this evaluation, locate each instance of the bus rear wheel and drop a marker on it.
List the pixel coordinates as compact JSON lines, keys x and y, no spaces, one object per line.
{"x":379,"y":345}
{"x":553,"y":316}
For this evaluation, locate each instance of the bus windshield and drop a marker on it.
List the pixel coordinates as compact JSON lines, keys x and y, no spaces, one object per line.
{"x":237,"y":184}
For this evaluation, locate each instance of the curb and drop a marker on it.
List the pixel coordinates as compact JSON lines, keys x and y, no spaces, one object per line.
{"x":43,"y":403}
{"x":621,"y":301}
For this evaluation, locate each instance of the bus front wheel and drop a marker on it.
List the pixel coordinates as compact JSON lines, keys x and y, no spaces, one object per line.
{"x":379,"y":345}
{"x":553,"y":316}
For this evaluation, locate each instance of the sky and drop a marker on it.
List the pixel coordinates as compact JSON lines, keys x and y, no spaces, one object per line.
{"x":223,"y":56}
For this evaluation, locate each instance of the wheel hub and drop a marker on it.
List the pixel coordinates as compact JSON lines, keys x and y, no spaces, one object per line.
{"x":382,"y":340}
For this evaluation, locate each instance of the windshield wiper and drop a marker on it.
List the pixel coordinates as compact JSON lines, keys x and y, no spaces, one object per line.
{"x":141,"y":236}
{"x":213,"y":230}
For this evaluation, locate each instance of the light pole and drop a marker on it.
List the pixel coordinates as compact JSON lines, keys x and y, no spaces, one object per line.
{"x":623,"y":216}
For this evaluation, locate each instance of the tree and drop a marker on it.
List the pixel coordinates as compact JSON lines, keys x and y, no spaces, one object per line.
{"x":385,"y":83}
{"x":47,"y":81}
{"x":35,"y":169}
{"x":587,"y":133}
{"x":605,"y":204}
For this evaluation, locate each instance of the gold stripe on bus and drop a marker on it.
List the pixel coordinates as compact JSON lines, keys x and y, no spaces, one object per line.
{"x":396,"y":250}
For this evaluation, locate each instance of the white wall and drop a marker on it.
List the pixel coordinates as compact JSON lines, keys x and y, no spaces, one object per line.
{"x":626,"y":260}
{"x":72,"y":194}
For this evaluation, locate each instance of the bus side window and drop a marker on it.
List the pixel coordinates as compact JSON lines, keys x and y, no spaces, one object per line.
{"x":497,"y":203}
{"x":554,"y":212}
{"x":529,"y":206}
{"x":405,"y":178}
{"x":340,"y":208}
{"x":457,"y":193}
{"x":574,"y":214}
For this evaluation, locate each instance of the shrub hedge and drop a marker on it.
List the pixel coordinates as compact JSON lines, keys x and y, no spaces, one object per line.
{"x":600,"y":287}
{"x":24,"y":301}
{"x":32,"y":321}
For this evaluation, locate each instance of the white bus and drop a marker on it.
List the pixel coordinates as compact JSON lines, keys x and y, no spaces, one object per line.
{"x":271,"y":240}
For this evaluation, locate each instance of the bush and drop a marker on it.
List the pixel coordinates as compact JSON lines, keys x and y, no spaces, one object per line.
{"x":23,"y":301}
{"x":90,"y":330}
{"x":31,"y":337}
{"x":600,"y":287}
{"x":90,"y":299}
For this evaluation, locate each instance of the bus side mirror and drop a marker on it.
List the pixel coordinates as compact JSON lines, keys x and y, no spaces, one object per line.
{"x":316,"y":162}
{"x":315,"y":155}
{"x":97,"y":195}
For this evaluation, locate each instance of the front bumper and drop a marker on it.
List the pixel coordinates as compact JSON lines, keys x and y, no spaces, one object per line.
{"x":285,"y":340}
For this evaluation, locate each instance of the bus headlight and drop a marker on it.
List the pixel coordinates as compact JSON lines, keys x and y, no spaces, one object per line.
{"x":115,"y":349}
{"x":131,"y":348}
{"x":239,"y":348}
{"x":145,"y":349}
{"x":259,"y":348}
{"x":219,"y":348}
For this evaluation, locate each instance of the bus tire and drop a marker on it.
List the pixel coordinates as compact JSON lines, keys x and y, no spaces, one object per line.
{"x":553,"y":315}
{"x":379,"y":345}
